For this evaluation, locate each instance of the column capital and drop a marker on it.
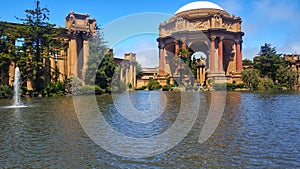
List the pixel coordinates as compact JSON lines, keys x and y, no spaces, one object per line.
{"x":213,"y":37}
{"x":238,"y":41}
{"x":161,"y":46}
{"x":221,"y":38}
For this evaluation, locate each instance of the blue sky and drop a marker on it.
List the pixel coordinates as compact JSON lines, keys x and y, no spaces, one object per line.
{"x":272,"y":21}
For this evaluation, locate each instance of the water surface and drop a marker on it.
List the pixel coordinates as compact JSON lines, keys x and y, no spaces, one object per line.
{"x":256,"y":131}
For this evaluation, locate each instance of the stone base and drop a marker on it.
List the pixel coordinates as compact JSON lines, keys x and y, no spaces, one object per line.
{"x":217,"y":77}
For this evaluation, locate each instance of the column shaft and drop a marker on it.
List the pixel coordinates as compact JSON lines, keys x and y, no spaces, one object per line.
{"x":238,"y":57}
{"x":220,"y":54}
{"x":212,"y":60}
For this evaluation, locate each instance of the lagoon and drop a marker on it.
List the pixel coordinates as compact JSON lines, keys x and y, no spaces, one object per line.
{"x":257,"y":130}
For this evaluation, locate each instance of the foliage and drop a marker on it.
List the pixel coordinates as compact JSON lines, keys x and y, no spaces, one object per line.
{"x":247,"y":61}
{"x":228,"y":86}
{"x":268,"y":62}
{"x":251,"y":78}
{"x":87,"y":90}
{"x":97,"y":52}
{"x":73,"y":86}
{"x":153,"y":84}
{"x":286,"y":76}
{"x":139,"y":71}
{"x":41,"y":39}
{"x":54,"y":89}
{"x":265,"y":84}
{"x":141,"y":88}
{"x":5,"y":91}
{"x":118,"y":86}
{"x":167,"y":88}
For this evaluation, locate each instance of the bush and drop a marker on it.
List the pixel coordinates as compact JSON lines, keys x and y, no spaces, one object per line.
{"x":265,"y":84}
{"x":87,"y":90}
{"x":153,"y":85}
{"x":141,"y":88}
{"x":5,"y":91}
{"x":118,"y":87}
{"x":220,"y":86}
{"x":167,"y":88}
{"x":54,"y":89}
{"x":73,"y":86}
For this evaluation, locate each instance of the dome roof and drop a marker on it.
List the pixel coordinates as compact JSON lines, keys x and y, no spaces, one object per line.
{"x":198,"y":5}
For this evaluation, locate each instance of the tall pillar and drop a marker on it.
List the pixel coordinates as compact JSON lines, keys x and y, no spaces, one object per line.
{"x":86,"y":51}
{"x":72,"y":57}
{"x":238,"y":56}
{"x":131,"y":73}
{"x":220,"y":55}
{"x":161,"y":59}
{"x":121,"y":73}
{"x":11,"y":73}
{"x":184,"y":46}
{"x":176,"y":48}
{"x":61,"y":66}
{"x":198,"y":74}
{"x":212,"y":59}
{"x":127,"y":75}
{"x":134,"y":75}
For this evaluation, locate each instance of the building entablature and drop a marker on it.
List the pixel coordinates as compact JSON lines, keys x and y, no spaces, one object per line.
{"x":201,"y":20}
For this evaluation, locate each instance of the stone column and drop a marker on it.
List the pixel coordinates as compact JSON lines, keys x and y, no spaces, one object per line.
{"x":131,"y":73}
{"x":61,"y":66}
{"x":11,"y":73}
{"x":176,"y":48}
{"x":212,"y":59}
{"x":238,"y":56}
{"x":121,"y":72}
{"x":220,"y":54}
{"x":184,"y":46}
{"x":198,"y":74}
{"x":161,"y":59}
{"x":86,"y":52}
{"x":134,"y":75}
{"x":72,"y":57}
{"x":127,"y":75}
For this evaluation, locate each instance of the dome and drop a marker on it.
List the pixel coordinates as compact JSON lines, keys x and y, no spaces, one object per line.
{"x":198,"y":5}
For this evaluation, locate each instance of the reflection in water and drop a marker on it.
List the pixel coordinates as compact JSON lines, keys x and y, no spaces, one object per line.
{"x":256,"y":130}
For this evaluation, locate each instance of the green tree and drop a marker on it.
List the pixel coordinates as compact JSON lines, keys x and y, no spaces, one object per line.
{"x":106,"y":72}
{"x":96,"y":54}
{"x":153,"y":84}
{"x":41,"y":39}
{"x":251,"y":78}
{"x":286,"y":76}
{"x":269,"y":61}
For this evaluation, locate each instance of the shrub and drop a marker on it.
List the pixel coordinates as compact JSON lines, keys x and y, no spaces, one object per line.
{"x":118,"y":87}
{"x":141,"y":88}
{"x":167,"y":88}
{"x":153,"y":85}
{"x":54,"y":89}
{"x":220,"y":86}
{"x":5,"y":91}
{"x":73,"y":86}
{"x":87,"y":90}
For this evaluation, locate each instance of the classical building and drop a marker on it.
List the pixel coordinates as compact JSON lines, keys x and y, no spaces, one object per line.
{"x":202,"y":27}
{"x":294,"y":63}
{"x":72,"y":60}
{"x":128,"y":67}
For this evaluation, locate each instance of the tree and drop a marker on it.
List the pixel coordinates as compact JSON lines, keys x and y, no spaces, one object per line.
{"x":184,"y":56}
{"x":139,"y":71}
{"x":251,"y":78}
{"x":41,"y":39}
{"x":286,"y":76}
{"x":97,"y":52}
{"x":269,"y":61}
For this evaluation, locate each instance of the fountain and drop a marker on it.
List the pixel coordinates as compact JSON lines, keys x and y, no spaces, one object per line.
{"x":17,"y":92}
{"x":17,"y":101}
